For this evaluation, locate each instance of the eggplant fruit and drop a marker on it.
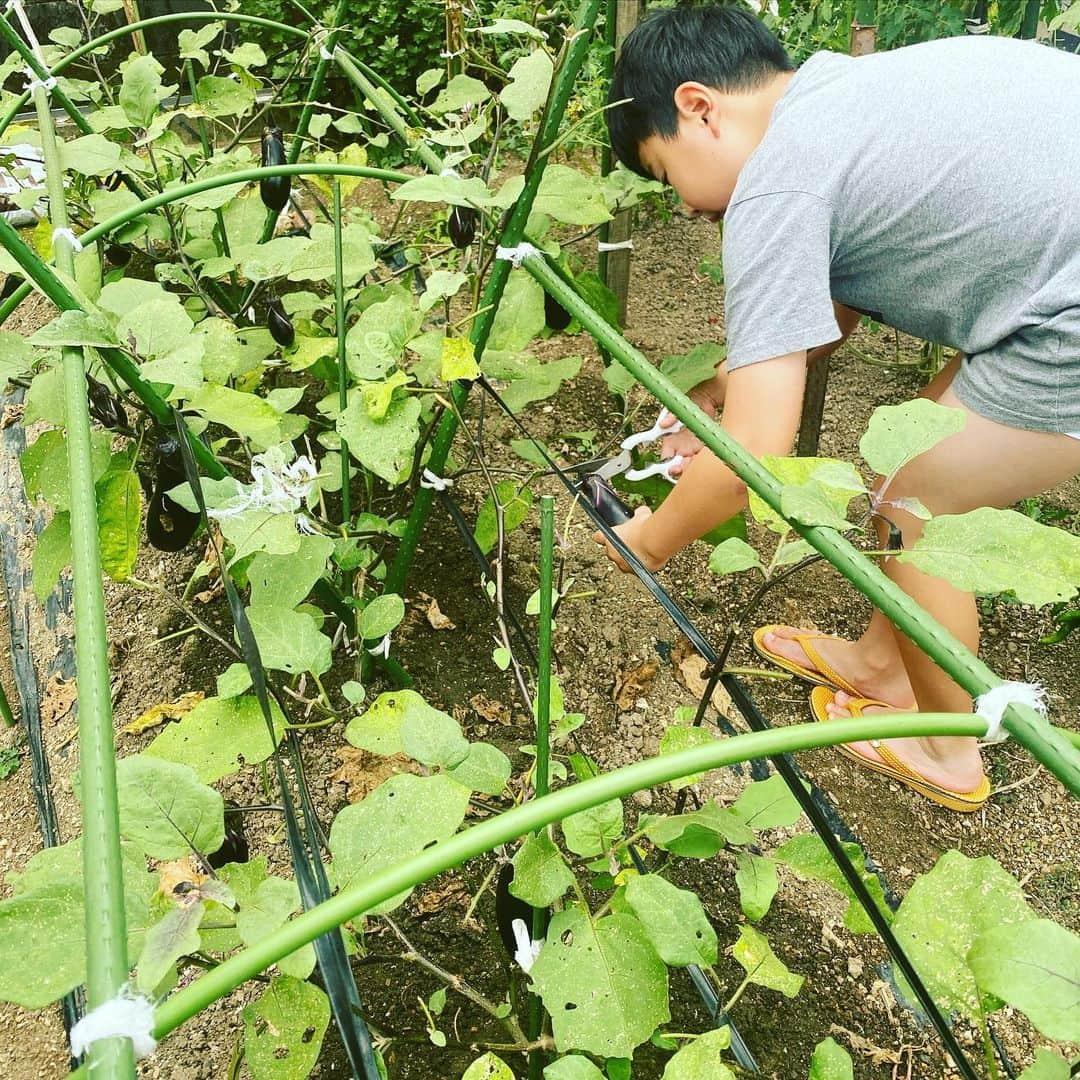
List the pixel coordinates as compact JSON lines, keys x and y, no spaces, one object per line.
{"x":461,"y":226}
{"x":555,"y":315}
{"x":274,"y":190}
{"x":279,"y":324}
{"x":169,"y":526}
{"x":105,"y":406}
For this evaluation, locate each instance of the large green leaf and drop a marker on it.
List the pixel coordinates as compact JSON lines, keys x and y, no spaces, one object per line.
{"x":674,"y":921}
{"x":91,"y":155}
{"x":519,"y":319}
{"x":762,"y":965}
{"x":1035,"y":967}
{"x":831,"y":1062}
{"x":401,"y":817}
{"x":381,"y":616}
{"x":484,"y":768}
{"x":460,"y":91}
{"x":1046,"y":1066}
{"x":602,"y":983}
{"x":286,"y":580}
{"x":898,"y":433}
{"x":449,"y":189}
{"x":165,"y":810}
{"x":530,"y":78}
{"x":733,"y":556}
{"x":699,"y":834}
{"x":809,"y":858}
{"x":515,"y":504}
{"x":383,"y":446}
{"x":175,"y":935}
{"x":283,"y":1030}
{"x":141,"y":90}
{"x":52,"y":553}
{"x":17,"y":356}
{"x":44,"y":465}
{"x":488,"y":1067}
{"x":767,"y":804}
{"x":942,"y":916}
{"x":289,"y":640}
{"x":541,"y":875}
{"x":701,"y":1059}
{"x":572,"y":1067}
{"x":697,"y":366}
{"x":792,"y":473}
{"x":379,"y":728}
{"x":224,"y":97}
{"x":433,"y":737}
{"x":119,"y":506}
{"x":218,"y":737}
{"x":995,"y":551}
{"x":259,"y":530}
{"x":248,"y":415}
{"x":681,"y":737}
{"x":529,"y":379}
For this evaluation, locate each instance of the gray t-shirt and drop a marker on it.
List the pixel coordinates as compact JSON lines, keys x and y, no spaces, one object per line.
{"x":936,"y":187}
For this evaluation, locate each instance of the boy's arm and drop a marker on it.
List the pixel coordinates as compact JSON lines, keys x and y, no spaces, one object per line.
{"x":762,"y":405}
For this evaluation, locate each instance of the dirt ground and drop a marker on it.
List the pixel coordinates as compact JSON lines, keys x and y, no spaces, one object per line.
{"x":604,"y":637}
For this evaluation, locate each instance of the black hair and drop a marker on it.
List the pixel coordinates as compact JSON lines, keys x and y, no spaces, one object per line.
{"x":728,"y":48}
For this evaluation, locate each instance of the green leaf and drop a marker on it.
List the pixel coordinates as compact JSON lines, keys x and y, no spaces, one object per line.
{"x":592,"y":831}
{"x":141,"y":90}
{"x":733,"y":556}
{"x":429,"y":79}
{"x":762,"y":965}
{"x":17,"y":356}
{"x":401,"y":817}
{"x":75,"y":328}
{"x":700,"y":834}
{"x":793,"y":473}
{"x":1035,"y":967}
{"x":249,"y":415}
{"x":519,"y":319}
{"x":283,"y":1030}
{"x":286,"y":580}
{"x":458,"y":360}
{"x":91,"y":155}
{"x":530,"y":78}
{"x":512,"y":26}
{"x":381,"y":616}
{"x":176,"y":935}
{"x":767,"y":804}
{"x":702,"y":1058}
{"x":191,"y":42}
{"x":602,"y":983}
{"x":379,"y":729}
{"x":258,"y":530}
{"x":44,"y":466}
{"x":541,"y":875}
{"x":219,"y":736}
{"x":433,"y":737}
{"x":224,"y":97}
{"x":943,"y":914}
{"x":682,"y":737}
{"x":42,"y":932}
{"x":452,"y":190}
{"x":119,"y":513}
{"x":484,"y":768}
{"x":674,"y":921}
{"x":1046,"y":1066}
{"x":52,"y":553}
{"x":460,"y":91}
{"x":995,"y":551}
{"x":809,"y":858}
{"x":383,"y":446}
{"x":488,"y":1067}
{"x":831,"y":1062}
{"x":165,"y":810}
{"x":289,"y":640}
{"x":441,"y":284}
{"x":500,"y":656}
{"x":516,"y":505}
{"x":696,"y":366}
{"x":757,"y":883}
{"x":898,"y":433}
{"x":811,"y":507}
{"x":246,"y":55}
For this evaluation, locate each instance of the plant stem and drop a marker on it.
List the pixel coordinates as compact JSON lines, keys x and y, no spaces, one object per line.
{"x":5,"y":709}
{"x":532,"y":815}
{"x":1046,"y":743}
{"x":106,"y":932}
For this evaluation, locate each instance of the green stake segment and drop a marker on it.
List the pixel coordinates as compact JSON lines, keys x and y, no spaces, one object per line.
{"x":106,"y":931}
{"x":1046,"y":743}
{"x":528,"y":817}
{"x":6,"y":714}
{"x":343,"y":385}
{"x":512,"y":236}
{"x":543,"y":674}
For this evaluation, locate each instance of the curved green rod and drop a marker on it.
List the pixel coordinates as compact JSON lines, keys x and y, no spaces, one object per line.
{"x":526,"y":818}
{"x":1044,"y":742}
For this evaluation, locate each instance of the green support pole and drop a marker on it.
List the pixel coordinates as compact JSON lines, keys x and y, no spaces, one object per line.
{"x":610,"y":22}
{"x":339,"y":322}
{"x":528,"y":817}
{"x":1048,"y":745}
{"x":106,"y":930}
{"x":6,"y":714}
{"x":1030,"y":25}
{"x":513,"y":235}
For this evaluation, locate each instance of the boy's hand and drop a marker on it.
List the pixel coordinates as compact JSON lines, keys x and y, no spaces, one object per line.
{"x":709,"y":397}
{"x":632,"y":535}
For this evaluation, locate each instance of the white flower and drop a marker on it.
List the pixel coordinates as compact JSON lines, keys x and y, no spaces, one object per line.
{"x":276,"y":486}
{"x":527,"y":950}
{"x":382,"y":649}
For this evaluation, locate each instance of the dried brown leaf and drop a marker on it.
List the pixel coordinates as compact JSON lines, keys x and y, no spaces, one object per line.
{"x":633,"y":682}
{"x":59,"y":696}
{"x":436,"y":619}
{"x":362,"y":772}
{"x":448,"y":894}
{"x":165,"y":710}
{"x":877,"y":1054}
{"x":690,"y":670}
{"x":494,"y":712}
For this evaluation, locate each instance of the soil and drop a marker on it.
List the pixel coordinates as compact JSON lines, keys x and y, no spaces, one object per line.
{"x":608,"y":631}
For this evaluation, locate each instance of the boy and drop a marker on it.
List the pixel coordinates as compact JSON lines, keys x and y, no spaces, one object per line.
{"x":935,"y":187}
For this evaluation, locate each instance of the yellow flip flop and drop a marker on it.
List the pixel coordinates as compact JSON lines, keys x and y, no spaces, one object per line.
{"x":824,"y":675}
{"x":965,"y":802}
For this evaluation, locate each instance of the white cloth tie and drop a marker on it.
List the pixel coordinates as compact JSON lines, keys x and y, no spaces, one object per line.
{"x":33,"y":82}
{"x":991,"y":706}
{"x":128,"y":1015}
{"x":429,"y":480}
{"x":618,"y":245}
{"x":517,"y":255}
{"x":69,"y":236}
{"x":327,"y":54}
{"x":653,"y":433}
{"x":527,"y":950}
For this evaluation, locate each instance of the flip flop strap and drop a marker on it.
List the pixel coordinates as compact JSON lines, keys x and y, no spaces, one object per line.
{"x":825,"y":669}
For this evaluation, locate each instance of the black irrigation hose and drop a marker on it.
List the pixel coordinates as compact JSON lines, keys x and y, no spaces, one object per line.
{"x":303,"y":846}
{"x":813,"y":802}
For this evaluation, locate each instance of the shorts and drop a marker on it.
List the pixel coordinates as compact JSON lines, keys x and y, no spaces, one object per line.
{"x":1029,"y":380}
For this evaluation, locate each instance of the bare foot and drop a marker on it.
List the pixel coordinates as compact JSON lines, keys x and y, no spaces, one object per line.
{"x":953,"y":763}
{"x":884,"y":682}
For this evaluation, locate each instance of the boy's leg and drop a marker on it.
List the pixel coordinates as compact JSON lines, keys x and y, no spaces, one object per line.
{"x":985,"y":464}
{"x":872,"y":663}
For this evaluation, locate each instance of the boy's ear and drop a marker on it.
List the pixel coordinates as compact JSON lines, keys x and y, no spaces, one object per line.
{"x":694,"y":102}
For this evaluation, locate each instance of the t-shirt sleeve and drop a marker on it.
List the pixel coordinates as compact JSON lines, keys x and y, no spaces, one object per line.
{"x":776,"y":277}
